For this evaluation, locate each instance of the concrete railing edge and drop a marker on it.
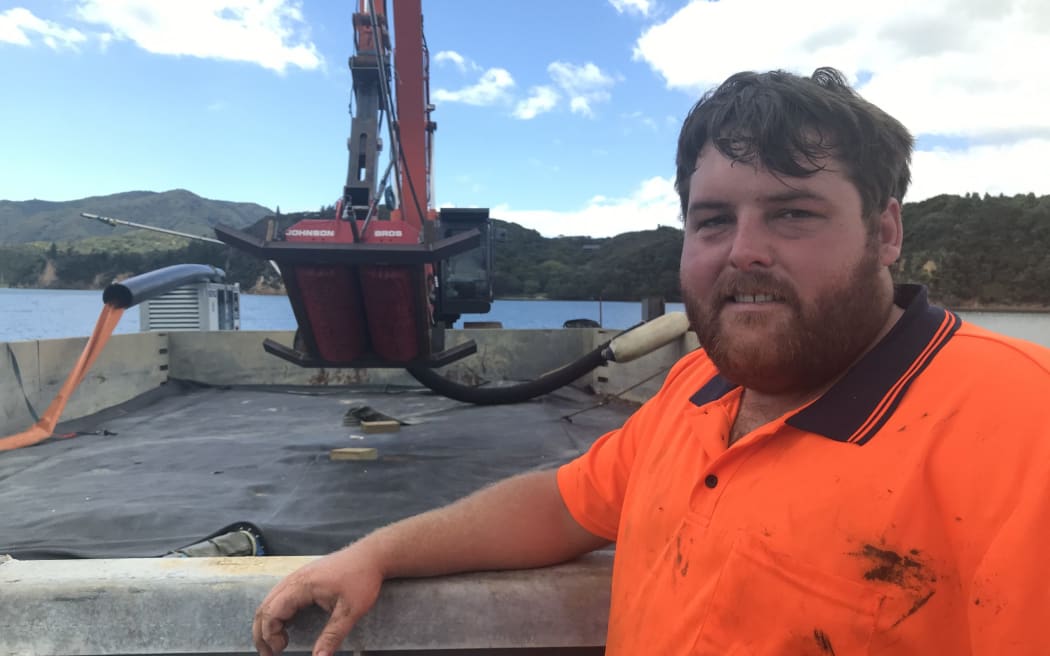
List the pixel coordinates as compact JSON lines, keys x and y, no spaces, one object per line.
{"x":205,"y":605}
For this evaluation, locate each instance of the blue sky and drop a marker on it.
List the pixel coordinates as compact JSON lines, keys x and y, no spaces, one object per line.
{"x":561,"y":116}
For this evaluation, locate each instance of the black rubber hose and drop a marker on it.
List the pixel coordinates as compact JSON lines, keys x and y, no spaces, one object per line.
{"x":511,"y":393}
{"x":143,"y":287}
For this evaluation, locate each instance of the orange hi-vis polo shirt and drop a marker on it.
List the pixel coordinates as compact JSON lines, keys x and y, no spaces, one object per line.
{"x":905,"y":511}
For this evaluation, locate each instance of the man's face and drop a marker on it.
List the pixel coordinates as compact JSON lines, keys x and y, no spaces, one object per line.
{"x":782,"y":279}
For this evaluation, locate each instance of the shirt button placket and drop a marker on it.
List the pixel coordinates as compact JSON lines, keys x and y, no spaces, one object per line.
{"x":705,"y":496}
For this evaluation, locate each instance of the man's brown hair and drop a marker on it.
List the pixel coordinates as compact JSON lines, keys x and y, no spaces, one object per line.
{"x":792,"y":126}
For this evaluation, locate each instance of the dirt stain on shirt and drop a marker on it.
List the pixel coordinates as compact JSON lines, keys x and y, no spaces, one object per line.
{"x":823,"y":643}
{"x":908,"y":572}
{"x":680,"y":563}
{"x":891,"y":567}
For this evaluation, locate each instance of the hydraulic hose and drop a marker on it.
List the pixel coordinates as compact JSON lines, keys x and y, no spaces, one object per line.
{"x":628,"y":345}
{"x":116,"y":298}
{"x":510,"y":393}
{"x":143,"y":287}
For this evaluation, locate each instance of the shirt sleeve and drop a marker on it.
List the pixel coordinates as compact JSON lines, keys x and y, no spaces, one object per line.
{"x":594,"y":485}
{"x":1009,"y":595}
{"x":1009,"y":600}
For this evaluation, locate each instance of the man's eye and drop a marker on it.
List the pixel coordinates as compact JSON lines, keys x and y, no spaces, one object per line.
{"x":795,"y":214}
{"x":712,"y":223}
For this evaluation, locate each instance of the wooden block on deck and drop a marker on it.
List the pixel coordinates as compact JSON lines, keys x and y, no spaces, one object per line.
{"x":385,"y":426}
{"x":353,"y":453}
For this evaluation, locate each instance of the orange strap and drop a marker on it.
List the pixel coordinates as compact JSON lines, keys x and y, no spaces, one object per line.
{"x":43,"y":429}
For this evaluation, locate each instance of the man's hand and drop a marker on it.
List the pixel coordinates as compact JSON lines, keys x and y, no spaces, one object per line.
{"x":518,"y":523}
{"x":345,"y":584}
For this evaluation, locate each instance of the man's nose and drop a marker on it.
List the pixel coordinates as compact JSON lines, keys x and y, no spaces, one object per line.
{"x":752,"y":243}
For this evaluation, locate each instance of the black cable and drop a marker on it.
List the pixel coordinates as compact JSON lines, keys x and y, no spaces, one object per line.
{"x":392,"y":124}
{"x":511,"y":393}
{"x":384,"y":90}
{"x":408,"y":177}
{"x":21,"y":385}
{"x":507,"y":394}
{"x":609,"y":397}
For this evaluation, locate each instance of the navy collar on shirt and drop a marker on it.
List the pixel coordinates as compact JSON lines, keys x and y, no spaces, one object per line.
{"x":858,"y":405}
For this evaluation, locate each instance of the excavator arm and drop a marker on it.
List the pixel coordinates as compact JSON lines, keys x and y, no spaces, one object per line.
{"x":376,"y":284}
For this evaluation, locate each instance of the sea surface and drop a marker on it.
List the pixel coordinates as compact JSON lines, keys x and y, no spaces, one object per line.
{"x":28,"y":314}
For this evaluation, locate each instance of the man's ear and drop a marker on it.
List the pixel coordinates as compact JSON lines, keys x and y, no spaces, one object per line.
{"x":890,"y":233}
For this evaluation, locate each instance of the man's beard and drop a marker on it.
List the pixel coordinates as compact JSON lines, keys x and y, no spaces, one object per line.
{"x":806,"y":351}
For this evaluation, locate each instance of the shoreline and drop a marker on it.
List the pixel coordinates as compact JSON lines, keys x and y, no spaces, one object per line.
{"x":1004,"y":309}
{"x":1033,"y":308}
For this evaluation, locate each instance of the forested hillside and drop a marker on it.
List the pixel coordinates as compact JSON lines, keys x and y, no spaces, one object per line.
{"x":970,"y":250}
{"x":46,"y":221}
{"x":973,"y":250}
{"x":626,"y":267}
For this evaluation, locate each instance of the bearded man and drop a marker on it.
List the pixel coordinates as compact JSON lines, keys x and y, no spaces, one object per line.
{"x":843,"y":468}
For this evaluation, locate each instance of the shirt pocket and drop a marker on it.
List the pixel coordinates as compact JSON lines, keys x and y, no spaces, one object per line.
{"x":767,"y":603}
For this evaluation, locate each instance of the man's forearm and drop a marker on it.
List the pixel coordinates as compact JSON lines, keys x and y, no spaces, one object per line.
{"x":517,"y":523}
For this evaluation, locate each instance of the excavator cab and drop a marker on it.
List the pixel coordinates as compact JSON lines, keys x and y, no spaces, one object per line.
{"x":465,"y":279}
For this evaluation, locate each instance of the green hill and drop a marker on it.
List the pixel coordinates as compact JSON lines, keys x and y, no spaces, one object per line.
{"x":625,"y":267}
{"x":971,"y":250}
{"x":46,"y":221}
{"x":974,"y":251}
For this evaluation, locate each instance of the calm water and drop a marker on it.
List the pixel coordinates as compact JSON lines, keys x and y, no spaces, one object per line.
{"x":27,"y":314}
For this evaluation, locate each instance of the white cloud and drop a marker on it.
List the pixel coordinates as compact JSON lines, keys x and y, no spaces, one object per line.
{"x":638,"y":6}
{"x":493,"y":87}
{"x":270,"y":33}
{"x":963,"y":69}
{"x":458,"y":60}
{"x":584,"y":85}
{"x":653,"y":203}
{"x":994,"y":169}
{"x":635,"y":118}
{"x":20,"y":26}
{"x":541,"y":99}
{"x":948,"y":67}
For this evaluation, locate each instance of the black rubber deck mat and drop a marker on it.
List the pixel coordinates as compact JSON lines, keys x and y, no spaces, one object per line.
{"x":183,"y":461}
